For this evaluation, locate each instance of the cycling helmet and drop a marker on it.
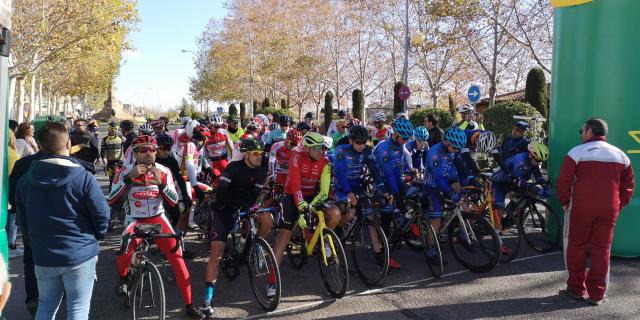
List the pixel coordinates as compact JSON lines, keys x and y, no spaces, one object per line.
{"x":456,"y":137}
{"x":264,"y":119}
{"x":353,"y":122}
{"x":143,"y":140}
{"x":201,"y":133}
{"x":254,"y":124}
{"x":113,"y":124}
{"x":341,"y":123}
{"x":538,"y":150}
{"x":486,"y":141}
{"x":126,"y":125}
{"x":312,"y":139}
{"x":294,"y":135}
{"x":465,"y":108}
{"x":342,"y":113}
{"x":184,"y":121}
{"x":358,"y":132}
{"x":522,"y":125}
{"x":249,"y":144}
{"x":215,"y":120}
{"x":327,"y":142}
{"x":145,"y":129}
{"x":190,"y":128}
{"x":164,"y":140}
{"x":380,"y":117}
{"x":303,"y":126}
{"x":421,"y":133}
{"x":403,"y":127}
{"x":309,"y":115}
{"x":284,"y":120}
{"x":400,"y":115}
{"x":274,"y":126}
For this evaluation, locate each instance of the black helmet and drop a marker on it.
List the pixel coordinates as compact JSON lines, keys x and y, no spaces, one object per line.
{"x":309,"y":115}
{"x":232,"y":119}
{"x":303,"y":126}
{"x":342,"y":113}
{"x":250,"y":144}
{"x":126,"y":125}
{"x":112,"y":124}
{"x":164,"y":140}
{"x":284,"y":120}
{"x":358,"y":132}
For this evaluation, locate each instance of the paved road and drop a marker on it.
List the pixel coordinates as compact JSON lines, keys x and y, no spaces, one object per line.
{"x":526,"y":288}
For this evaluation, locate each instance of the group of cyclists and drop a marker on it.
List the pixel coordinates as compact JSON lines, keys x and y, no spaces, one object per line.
{"x":158,"y":177}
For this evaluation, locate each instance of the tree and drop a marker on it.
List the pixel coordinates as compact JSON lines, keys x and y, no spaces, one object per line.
{"x":328,"y":109}
{"x":398,"y":104}
{"x":445,"y":119}
{"x":233,"y":111}
{"x":243,"y":114}
{"x":499,"y":118}
{"x":452,"y":107}
{"x":266,"y":104}
{"x":536,"y":90}
{"x":283,"y":104}
{"x":186,"y":109}
{"x":358,"y":104}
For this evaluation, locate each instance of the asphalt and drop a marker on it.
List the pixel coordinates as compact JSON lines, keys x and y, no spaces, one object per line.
{"x":526,"y":288}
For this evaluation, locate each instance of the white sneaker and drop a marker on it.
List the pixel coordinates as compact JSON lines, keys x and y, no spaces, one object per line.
{"x":271,"y":290}
{"x":16,"y":253}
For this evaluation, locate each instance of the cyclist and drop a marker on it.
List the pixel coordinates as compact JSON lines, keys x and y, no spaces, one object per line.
{"x":389,"y":156}
{"x":165,"y":143}
{"x":517,"y":143}
{"x":307,"y":184}
{"x":350,"y":123}
{"x":253,"y":128}
{"x":264,"y":124}
{"x":178,"y":132}
{"x":303,"y":128}
{"x":339,"y":133}
{"x":217,"y":148}
{"x":111,"y":150}
{"x":240,"y":185}
{"x":443,"y":166}
{"x":417,"y":150}
{"x":277,"y":134}
{"x":478,"y":142}
{"x":142,"y":190}
{"x":380,"y":130}
{"x":279,"y":157}
{"x":235,"y":132}
{"x":126,"y":127}
{"x":309,"y":120}
{"x":466,"y":111}
{"x":342,"y":115}
{"x":158,"y":127}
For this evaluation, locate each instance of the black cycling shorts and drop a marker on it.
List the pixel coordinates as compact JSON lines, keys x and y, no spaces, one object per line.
{"x":222,"y":223}
{"x":290,"y":212}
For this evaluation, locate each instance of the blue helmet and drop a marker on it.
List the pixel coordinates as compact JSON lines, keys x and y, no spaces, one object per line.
{"x":421,"y":133}
{"x":456,"y":137}
{"x":403,"y":127}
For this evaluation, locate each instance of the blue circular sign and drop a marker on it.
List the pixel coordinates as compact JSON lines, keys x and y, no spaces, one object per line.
{"x":473,"y":94}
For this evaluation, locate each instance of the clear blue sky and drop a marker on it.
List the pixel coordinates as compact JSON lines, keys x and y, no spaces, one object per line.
{"x":157,"y":69}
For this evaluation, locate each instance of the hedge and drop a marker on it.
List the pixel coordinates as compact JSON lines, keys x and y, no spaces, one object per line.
{"x":499,"y":118}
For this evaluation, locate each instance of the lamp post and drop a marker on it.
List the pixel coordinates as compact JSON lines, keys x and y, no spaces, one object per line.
{"x":416,"y":40}
{"x":250,"y":36}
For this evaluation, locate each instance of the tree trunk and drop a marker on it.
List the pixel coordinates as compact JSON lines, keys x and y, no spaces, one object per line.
{"x":20,"y":117}
{"x":32,"y":99}
{"x":40,"y":97}
{"x":434,"y":97}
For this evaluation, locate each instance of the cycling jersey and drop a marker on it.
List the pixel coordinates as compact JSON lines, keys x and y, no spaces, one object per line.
{"x":188,"y":156}
{"x":279,"y":157}
{"x":349,"y":168}
{"x":417,"y":158}
{"x":218,"y":146}
{"x":381,"y":134}
{"x":235,"y":135}
{"x":240,"y":185}
{"x":389,"y":157}
{"x":336,"y":137}
{"x":517,"y":167}
{"x":512,"y":146}
{"x":274,"y":136}
{"x":112,"y":148}
{"x":306,"y":176}
{"x":442,"y":168}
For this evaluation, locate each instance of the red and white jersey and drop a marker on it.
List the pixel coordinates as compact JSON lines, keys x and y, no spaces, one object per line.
{"x":144,"y":199}
{"x":381,"y":134}
{"x":219,"y":145}
{"x":596,"y":178}
{"x":279,"y":162}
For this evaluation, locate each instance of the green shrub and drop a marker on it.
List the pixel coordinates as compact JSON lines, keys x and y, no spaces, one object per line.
{"x":499,"y":118}
{"x":196,"y":115}
{"x":233,"y":111}
{"x":445,"y":121}
{"x":243,"y":114}
{"x":536,"y":90}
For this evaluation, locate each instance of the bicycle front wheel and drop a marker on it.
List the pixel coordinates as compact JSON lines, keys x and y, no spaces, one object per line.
{"x":335,"y":271}
{"x":540,"y":226}
{"x":147,"y":298}
{"x":264,"y":275}
{"x":433,"y":254}
{"x":370,"y":251}
{"x":474,"y":243}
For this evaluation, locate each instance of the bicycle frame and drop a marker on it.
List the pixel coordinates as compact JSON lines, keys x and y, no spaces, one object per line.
{"x":317,"y":234}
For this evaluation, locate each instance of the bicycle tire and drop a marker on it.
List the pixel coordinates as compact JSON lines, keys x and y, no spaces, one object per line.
{"x":541,"y":240}
{"x":269,"y":259}
{"x":337,"y":259}
{"x":296,"y":251}
{"x":358,"y":241}
{"x":435,"y":264}
{"x":148,"y":278}
{"x":488,"y":246}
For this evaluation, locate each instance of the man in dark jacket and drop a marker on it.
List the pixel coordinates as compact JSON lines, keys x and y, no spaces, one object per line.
{"x":63,"y":211}
{"x":516,"y":143}
{"x":435,"y":133}
{"x":84,"y":144}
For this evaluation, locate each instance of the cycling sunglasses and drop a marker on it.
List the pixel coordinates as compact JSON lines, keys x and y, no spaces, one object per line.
{"x":360,"y":142}
{"x":317,"y":148}
{"x":150,"y":149}
{"x":256,"y":153}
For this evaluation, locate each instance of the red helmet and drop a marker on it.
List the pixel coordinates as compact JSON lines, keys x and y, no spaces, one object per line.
{"x":352,"y":122}
{"x":143,"y":140}
{"x":157,"y":124}
{"x":201,"y":133}
{"x":294,"y":135}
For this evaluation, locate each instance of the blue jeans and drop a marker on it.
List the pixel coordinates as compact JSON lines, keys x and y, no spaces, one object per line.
{"x":76,"y":281}
{"x":12,"y":228}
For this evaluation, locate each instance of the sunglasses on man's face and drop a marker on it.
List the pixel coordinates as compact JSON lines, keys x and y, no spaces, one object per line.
{"x":256,"y":153}
{"x":316,"y":148}
{"x":146,"y":149}
{"x":359,"y":142}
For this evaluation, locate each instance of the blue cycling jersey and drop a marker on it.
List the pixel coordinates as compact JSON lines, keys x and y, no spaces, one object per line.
{"x":443,"y":167}
{"x":274,"y":136}
{"x":348,"y":168}
{"x":418,"y":157}
{"x":520,"y":167}
{"x":389,"y":157}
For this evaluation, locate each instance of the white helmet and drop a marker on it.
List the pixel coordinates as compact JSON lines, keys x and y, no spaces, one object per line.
{"x":263,"y":118}
{"x":188,"y":129}
{"x":486,"y":142}
{"x":465,"y":108}
{"x":145,"y":129}
{"x":380,"y":117}
{"x":185,"y":121}
{"x":327,"y":142}
{"x":216,"y":120}
{"x":254,"y":124}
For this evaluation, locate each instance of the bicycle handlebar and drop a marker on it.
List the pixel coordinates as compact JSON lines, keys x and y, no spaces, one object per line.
{"x":124,"y":247}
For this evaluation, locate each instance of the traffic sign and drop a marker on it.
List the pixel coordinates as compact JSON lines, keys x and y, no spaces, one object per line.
{"x":404,"y":93}
{"x":473,"y":94}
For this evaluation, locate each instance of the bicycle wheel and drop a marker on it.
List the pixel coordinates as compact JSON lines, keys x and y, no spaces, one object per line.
{"x":264,"y":272}
{"x":296,"y":249}
{"x":540,"y":226}
{"x":335,"y":273}
{"x":366,"y":237}
{"x":477,"y":249}
{"x":432,"y":252}
{"x":147,"y":298}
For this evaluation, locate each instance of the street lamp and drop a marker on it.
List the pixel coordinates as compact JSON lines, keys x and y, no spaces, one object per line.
{"x":250,"y":104}
{"x":416,"y":40}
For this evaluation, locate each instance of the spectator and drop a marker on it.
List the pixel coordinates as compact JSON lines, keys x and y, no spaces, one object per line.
{"x":13,"y":125}
{"x":126,"y":127}
{"x":435,"y":133}
{"x":480,"y":121}
{"x":25,"y":143}
{"x":467,"y":112}
{"x":342,"y":115}
{"x":62,"y":209}
{"x":84,"y":145}
{"x":12,"y":227}
{"x":596,"y":182}
{"x":517,"y":143}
